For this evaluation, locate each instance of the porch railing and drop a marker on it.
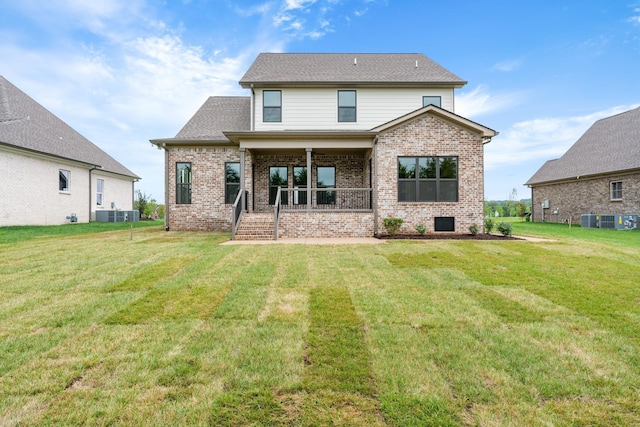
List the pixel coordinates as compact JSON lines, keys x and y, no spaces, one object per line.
{"x":276,"y":212}
{"x":236,"y":215}
{"x":333,"y":199}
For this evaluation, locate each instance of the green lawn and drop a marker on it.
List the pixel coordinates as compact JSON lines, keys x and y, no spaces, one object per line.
{"x":109,"y":326}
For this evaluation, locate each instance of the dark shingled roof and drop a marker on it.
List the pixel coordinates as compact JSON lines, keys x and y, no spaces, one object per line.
{"x":347,"y":68}
{"x":25,"y":124}
{"x":218,"y":114}
{"x":610,"y":145}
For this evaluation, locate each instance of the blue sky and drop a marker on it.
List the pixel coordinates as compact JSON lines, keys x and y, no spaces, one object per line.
{"x":122,"y":72}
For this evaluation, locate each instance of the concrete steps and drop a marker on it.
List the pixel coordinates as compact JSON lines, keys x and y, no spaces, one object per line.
{"x":255,"y":226}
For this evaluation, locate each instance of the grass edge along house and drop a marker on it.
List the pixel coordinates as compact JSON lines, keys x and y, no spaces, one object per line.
{"x":328,"y":145}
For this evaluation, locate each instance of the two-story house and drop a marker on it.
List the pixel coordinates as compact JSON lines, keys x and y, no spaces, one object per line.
{"x":329,"y":145}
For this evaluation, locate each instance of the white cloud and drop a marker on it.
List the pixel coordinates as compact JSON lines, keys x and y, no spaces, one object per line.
{"x":481,"y":101}
{"x":509,"y":65}
{"x":541,"y":138}
{"x":298,"y":4}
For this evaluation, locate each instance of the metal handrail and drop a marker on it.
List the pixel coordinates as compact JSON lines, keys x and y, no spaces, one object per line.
{"x":276,"y":213}
{"x":328,"y":198}
{"x":236,"y":215}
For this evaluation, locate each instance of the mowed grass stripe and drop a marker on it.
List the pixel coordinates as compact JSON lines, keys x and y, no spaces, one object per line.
{"x":188,"y":287}
{"x":148,"y":277}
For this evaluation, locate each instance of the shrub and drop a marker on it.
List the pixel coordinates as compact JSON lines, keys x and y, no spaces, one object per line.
{"x":473,"y":229}
{"x":488,"y":225}
{"x":421,"y":228}
{"x":392,"y":225}
{"x":505,"y":228}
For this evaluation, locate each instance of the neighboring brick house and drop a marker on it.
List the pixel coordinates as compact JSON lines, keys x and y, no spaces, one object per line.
{"x":329,"y":144}
{"x":53,"y":174}
{"x":599,"y":174}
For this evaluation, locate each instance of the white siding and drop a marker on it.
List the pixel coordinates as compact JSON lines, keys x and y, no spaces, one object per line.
{"x":30,"y":194}
{"x":313,"y":109}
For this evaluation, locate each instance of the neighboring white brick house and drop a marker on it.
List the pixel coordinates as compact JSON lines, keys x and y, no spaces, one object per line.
{"x":52,"y":171}
{"x":349,"y":138}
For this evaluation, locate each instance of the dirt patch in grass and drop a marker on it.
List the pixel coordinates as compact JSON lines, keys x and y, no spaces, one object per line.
{"x":447,"y":236}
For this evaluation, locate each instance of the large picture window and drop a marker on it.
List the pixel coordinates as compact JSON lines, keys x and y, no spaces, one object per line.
{"x":232,"y":182}
{"x":347,"y":106}
{"x":427,"y":179}
{"x":271,"y":106}
{"x":183,"y":183}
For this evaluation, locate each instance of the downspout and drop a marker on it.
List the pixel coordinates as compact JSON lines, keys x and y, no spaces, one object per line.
{"x":166,"y":187}
{"x":90,"y":192}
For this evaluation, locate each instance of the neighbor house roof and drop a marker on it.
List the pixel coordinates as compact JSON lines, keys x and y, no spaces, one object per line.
{"x":217,"y":114}
{"x":610,"y":145}
{"x":27,"y":125}
{"x":349,"y":69}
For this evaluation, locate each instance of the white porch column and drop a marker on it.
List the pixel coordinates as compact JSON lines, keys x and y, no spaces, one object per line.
{"x":242,"y":184}
{"x":309,"y":150}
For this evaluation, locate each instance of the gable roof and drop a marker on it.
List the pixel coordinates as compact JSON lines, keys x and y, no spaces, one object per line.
{"x":351,"y":69}
{"x":27,"y":125}
{"x":447,"y":115}
{"x":216,"y":115}
{"x":610,"y":145}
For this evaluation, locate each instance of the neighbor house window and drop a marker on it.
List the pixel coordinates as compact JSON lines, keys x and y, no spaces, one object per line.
{"x":63,"y":183}
{"x":427,"y":179}
{"x":99,"y":191}
{"x":183,"y":183}
{"x":271,"y":106}
{"x":346,"y":105}
{"x":435,"y":100}
{"x":232,"y":182}
{"x":616,"y":190}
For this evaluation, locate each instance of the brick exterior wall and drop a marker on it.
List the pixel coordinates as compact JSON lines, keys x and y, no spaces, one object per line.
{"x":207,"y":210}
{"x":429,"y":135}
{"x":582,"y":196}
{"x":325,"y":224}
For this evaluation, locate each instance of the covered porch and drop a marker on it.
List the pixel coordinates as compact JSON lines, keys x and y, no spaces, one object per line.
{"x":315,"y":184}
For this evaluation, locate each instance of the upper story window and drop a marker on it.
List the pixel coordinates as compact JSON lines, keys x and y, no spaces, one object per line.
{"x":435,"y":100}
{"x":183,"y":183}
{"x":427,"y":179}
{"x":63,"y":180}
{"x":271,"y":106}
{"x":99,"y":191}
{"x":616,"y":190}
{"x":347,"y":106}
